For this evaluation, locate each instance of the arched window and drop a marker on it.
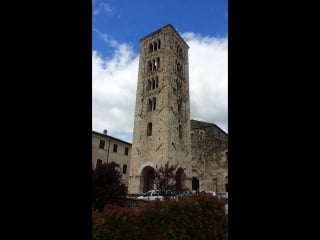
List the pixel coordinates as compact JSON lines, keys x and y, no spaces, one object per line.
{"x":149,"y":85}
{"x":153,"y":65}
{"x":179,"y":50}
{"x":149,"y":107}
{"x":154,"y":46}
{"x":151,"y":47}
{"x":153,"y":83}
{"x":149,"y":129}
{"x":178,"y":68}
{"x":154,"y":104}
{"x":151,"y":104}
{"x":149,"y":67}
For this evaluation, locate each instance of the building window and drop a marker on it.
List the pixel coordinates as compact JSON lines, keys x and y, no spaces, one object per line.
{"x":115,"y":147}
{"x":178,"y":67}
{"x":151,"y":104}
{"x":179,"y":102}
{"x":154,"y":104}
{"x":176,"y":85}
{"x":149,"y":108}
{"x":152,"y":83}
{"x":154,"y":46}
{"x":149,"y":66}
{"x":124,"y":169}
{"x":126,"y":151}
{"x":149,"y":129}
{"x":101,"y":144}
{"x":149,"y":85}
{"x":179,"y":50}
{"x":200,"y":135}
{"x":99,"y":162}
{"x":153,"y":64}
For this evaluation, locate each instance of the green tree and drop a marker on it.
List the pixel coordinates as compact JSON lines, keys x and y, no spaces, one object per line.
{"x":165,"y":178}
{"x":107,"y":187}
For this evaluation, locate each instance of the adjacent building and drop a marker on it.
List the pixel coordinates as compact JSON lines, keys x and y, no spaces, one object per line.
{"x":209,"y":151}
{"x":106,"y":149}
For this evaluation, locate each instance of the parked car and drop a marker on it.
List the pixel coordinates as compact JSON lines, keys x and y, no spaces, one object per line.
{"x":223,"y":195}
{"x":185,"y":193}
{"x":152,"y":195}
{"x":209,"y":193}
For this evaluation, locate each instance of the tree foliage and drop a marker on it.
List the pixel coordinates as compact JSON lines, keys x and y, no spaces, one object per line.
{"x":165,"y":177}
{"x":107,"y":187}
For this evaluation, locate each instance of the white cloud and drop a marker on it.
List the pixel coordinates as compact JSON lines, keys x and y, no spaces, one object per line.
{"x":208,"y":79}
{"x":115,"y":82}
{"x":103,"y":6}
{"x":107,"y":39}
{"x":106,"y":8}
{"x":113,"y":91}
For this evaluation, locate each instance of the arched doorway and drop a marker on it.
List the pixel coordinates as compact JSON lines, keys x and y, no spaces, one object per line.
{"x":226,"y":183}
{"x":147,"y":178}
{"x":180,"y":176}
{"x":195,"y":180}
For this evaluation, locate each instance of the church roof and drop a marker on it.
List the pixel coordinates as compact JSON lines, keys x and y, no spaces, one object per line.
{"x":199,"y":124}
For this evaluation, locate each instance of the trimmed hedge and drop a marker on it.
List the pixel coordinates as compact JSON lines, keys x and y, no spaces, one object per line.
{"x":197,"y":217}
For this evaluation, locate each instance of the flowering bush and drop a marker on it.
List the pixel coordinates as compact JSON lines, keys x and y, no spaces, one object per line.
{"x":198,"y":217}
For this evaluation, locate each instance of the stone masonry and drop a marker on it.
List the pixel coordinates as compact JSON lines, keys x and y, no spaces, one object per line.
{"x":162,"y":114}
{"x":209,"y":145}
{"x":163,"y":130}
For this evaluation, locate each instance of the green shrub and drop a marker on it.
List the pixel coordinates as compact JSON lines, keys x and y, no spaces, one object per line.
{"x":198,"y":217}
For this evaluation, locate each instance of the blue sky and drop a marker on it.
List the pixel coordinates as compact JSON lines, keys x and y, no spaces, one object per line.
{"x":117,"y":27}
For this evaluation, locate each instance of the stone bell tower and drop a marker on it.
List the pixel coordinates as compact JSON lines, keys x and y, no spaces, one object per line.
{"x":162,"y":113}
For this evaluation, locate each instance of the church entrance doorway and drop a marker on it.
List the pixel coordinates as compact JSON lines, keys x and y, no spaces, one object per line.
{"x":147,"y":179}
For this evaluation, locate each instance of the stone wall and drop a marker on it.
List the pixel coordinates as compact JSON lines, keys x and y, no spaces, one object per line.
{"x":209,"y":146}
{"x":162,"y":113}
